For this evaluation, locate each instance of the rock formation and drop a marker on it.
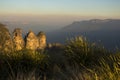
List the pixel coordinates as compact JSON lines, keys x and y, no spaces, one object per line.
{"x":18,"y":39}
{"x":6,"y":43}
{"x":32,"y":41}
{"x":17,"y":42}
{"x":42,"y":40}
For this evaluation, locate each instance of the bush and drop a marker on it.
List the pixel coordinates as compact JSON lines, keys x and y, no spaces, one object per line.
{"x":79,"y":50}
{"x":24,"y":61}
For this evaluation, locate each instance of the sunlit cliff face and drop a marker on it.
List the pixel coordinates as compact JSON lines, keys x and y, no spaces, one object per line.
{"x":18,"y":39}
{"x":32,"y":41}
{"x":42,"y":40}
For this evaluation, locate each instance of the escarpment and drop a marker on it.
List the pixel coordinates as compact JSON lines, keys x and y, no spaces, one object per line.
{"x":17,"y":42}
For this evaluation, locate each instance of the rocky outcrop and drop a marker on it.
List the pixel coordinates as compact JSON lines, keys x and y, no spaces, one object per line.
{"x":6,"y":43}
{"x":17,"y":42}
{"x":18,"y":39}
{"x":32,"y":41}
{"x":42,"y":40}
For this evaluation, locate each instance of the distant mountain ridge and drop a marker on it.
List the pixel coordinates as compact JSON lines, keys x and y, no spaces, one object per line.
{"x":93,"y":25}
{"x":106,"y":32}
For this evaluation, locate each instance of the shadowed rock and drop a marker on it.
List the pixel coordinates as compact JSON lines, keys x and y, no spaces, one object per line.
{"x":18,"y":39}
{"x":42,"y":40}
{"x":32,"y":41}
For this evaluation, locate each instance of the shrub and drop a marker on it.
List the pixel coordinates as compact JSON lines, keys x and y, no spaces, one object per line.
{"x":24,"y":61}
{"x":79,"y":50}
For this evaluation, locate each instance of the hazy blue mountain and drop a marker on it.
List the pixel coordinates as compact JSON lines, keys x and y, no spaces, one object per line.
{"x":106,"y":32}
{"x":93,"y":25}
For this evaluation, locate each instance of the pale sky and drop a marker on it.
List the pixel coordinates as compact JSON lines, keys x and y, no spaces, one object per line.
{"x":58,"y":12}
{"x":105,"y":8}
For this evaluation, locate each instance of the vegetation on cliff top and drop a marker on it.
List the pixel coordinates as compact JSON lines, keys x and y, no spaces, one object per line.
{"x":78,"y":59}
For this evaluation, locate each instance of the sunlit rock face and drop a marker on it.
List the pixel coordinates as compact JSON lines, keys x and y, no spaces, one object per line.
{"x":6,"y":43}
{"x":32,"y":41}
{"x":17,"y":42}
{"x":42,"y":40}
{"x":18,"y":39}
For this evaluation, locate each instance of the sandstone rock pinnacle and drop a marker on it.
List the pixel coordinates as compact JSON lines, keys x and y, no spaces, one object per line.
{"x":42,"y":40}
{"x":17,"y":42}
{"x":6,"y":43}
{"x":18,"y":39}
{"x":32,"y":41}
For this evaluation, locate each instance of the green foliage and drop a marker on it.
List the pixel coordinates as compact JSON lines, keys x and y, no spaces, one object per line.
{"x":110,"y":67}
{"x":24,"y":61}
{"x":76,"y":60}
{"x":79,"y":50}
